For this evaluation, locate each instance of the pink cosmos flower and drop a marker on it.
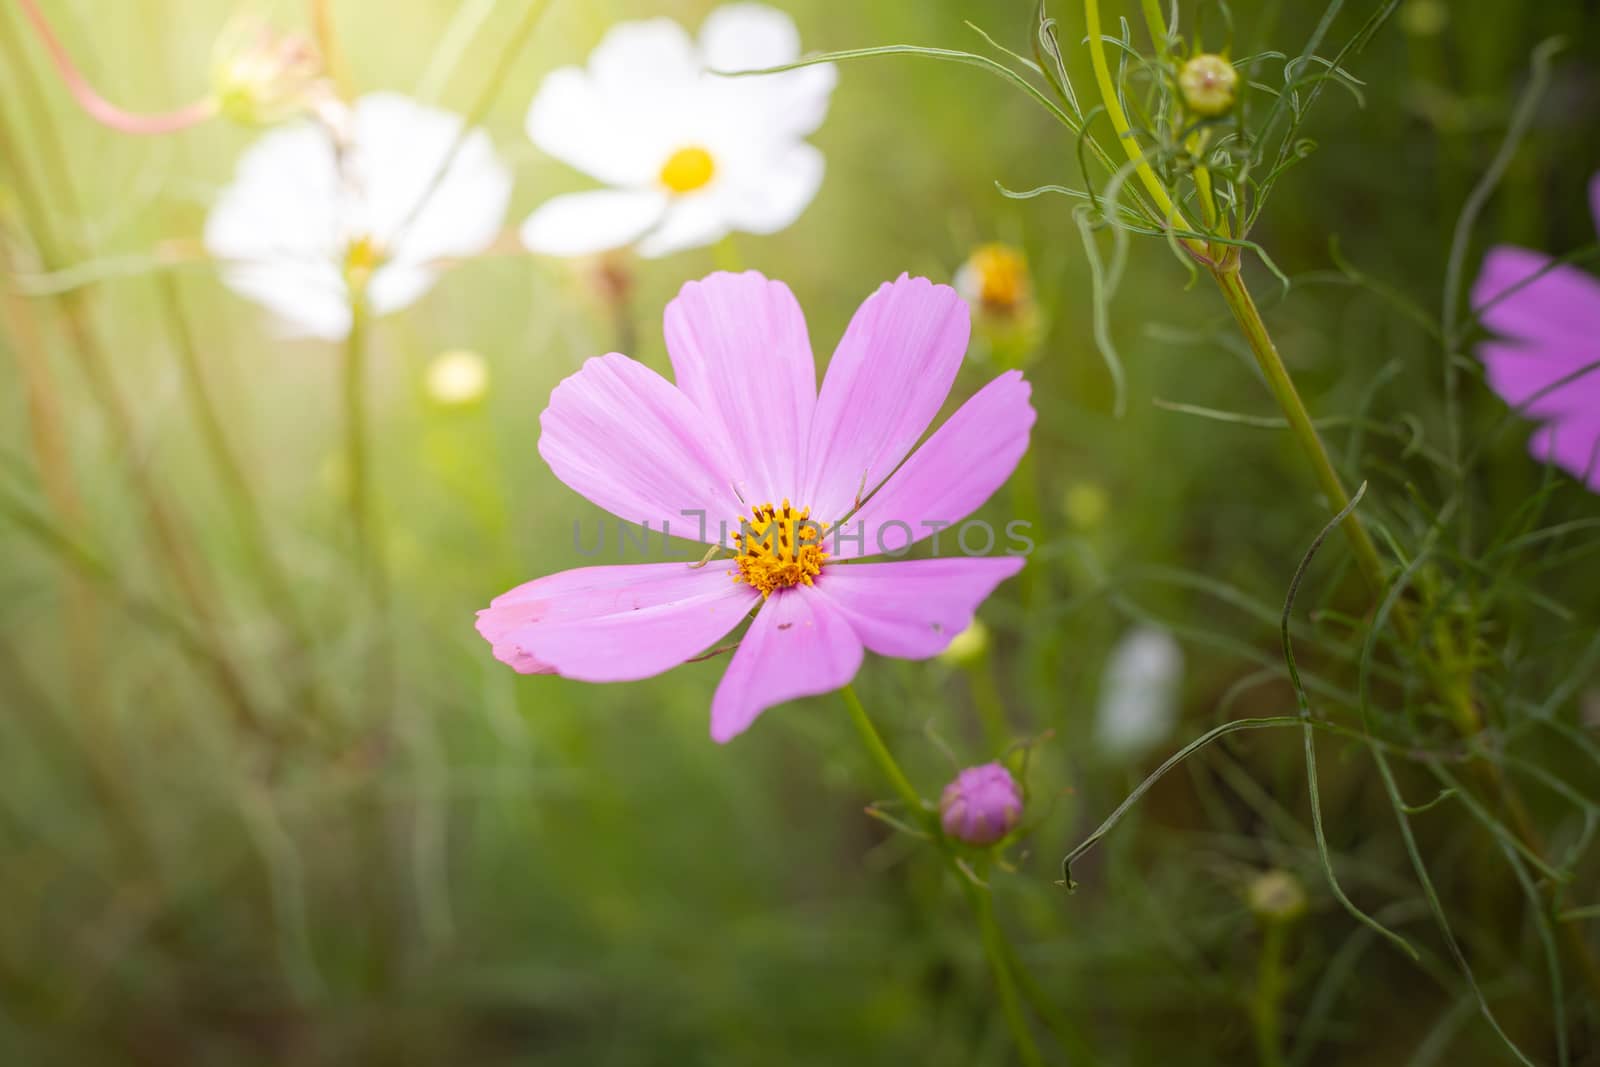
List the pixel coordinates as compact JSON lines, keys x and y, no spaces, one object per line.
{"x":1550,"y":331}
{"x":746,"y":438}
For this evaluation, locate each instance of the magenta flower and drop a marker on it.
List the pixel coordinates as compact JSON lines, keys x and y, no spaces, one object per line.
{"x":982,"y":805}
{"x":746,"y":441}
{"x":1549,"y":328}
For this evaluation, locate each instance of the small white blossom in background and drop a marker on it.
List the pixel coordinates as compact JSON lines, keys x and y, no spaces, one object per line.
{"x":457,"y":378}
{"x":1139,"y":693}
{"x":305,"y":211}
{"x":688,"y":156}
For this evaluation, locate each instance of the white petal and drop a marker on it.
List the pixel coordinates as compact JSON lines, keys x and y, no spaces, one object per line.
{"x":399,"y":148}
{"x":283,"y":201}
{"x":748,"y":37}
{"x":309,"y":300}
{"x":692,"y":221}
{"x":770,"y":198}
{"x":397,"y":285}
{"x":640,"y":57}
{"x":611,"y":139}
{"x":579,"y":224}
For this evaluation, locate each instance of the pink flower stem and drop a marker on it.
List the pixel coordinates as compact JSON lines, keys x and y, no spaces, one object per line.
{"x":98,"y":107}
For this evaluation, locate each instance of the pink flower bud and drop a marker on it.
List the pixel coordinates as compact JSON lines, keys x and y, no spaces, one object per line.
{"x":982,"y":805}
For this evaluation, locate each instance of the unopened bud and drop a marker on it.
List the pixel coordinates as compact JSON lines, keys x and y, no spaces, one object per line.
{"x":968,"y":646}
{"x":1210,"y":85}
{"x":1276,"y":897}
{"x":981,"y":806}
{"x":995,"y":281}
{"x":261,"y":76}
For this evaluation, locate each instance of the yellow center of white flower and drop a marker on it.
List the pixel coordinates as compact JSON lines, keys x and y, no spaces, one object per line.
{"x":779,"y":548}
{"x":688,"y":169}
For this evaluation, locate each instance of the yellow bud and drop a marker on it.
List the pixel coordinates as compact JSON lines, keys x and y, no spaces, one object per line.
{"x":457,"y":378}
{"x":1086,"y":505}
{"x":1424,"y":18}
{"x":968,"y":646}
{"x":1210,"y":85}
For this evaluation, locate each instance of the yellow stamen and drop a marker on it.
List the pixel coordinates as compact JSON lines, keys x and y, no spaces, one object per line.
{"x":689,"y":169}
{"x":779,"y":548}
{"x":362,"y":256}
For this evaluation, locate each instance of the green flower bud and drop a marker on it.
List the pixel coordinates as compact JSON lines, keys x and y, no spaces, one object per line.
{"x":259,"y":76}
{"x":1276,"y":897}
{"x":1210,"y":85}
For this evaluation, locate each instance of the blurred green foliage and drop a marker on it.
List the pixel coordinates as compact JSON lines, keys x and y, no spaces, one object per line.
{"x":493,"y":869}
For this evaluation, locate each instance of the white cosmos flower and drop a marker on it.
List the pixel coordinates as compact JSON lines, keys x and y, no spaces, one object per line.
{"x":306,"y":206}
{"x":688,"y":156}
{"x":1139,"y":692}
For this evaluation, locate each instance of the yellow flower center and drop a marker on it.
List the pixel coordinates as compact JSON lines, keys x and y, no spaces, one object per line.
{"x":361,"y":257}
{"x":779,"y":547}
{"x":688,"y":169}
{"x":1002,"y":275}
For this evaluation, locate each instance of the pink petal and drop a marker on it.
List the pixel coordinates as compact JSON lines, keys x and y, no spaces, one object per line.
{"x":887,"y":380}
{"x":740,"y":352}
{"x":613,"y":624}
{"x":621,"y":435}
{"x":950,"y":476}
{"x":1573,"y":445}
{"x":799,"y":645}
{"x":1560,"y":308}
{"x":1543,"y":380}
{"x":912,"y":608}
{"x":1594,"y":199}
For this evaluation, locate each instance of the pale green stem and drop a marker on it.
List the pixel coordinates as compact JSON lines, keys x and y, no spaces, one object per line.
{"x":1266,"y":1004}
{"x":1237,"y":297}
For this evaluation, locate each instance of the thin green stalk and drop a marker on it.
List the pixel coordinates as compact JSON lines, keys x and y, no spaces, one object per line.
{"x":367,"y":539}
{"x":881,"y":755}
{"x":1266,"y":1004}
{"x":994,"y":947}
{"x":166,"y":532}
{"x":1231,"y":282}
{"x":991,"y":706}
{"x":242,"y":501}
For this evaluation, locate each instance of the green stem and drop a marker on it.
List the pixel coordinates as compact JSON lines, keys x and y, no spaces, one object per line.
{"x":1237,"y":297}
{"x":1264,"y":1006}
{"x":242,"y":500}
{"x":995,"y":946}
{"x":368,"y":541}
{"x":881,"y":755}
{"x":991,"y":706}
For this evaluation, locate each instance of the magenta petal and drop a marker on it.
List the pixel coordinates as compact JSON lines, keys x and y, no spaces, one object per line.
{"x":912,"y":608}
{"x":1560,"y":307}
{"x":621,"y":435}
{"x":951,"y":475}
{"x":799,"y":645}
{"x":613,"y":624}
{"x":1572,"y":444}
{"x":1542,"y":380}
{"x":887,"y":380}
{"x":741,"y":353}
